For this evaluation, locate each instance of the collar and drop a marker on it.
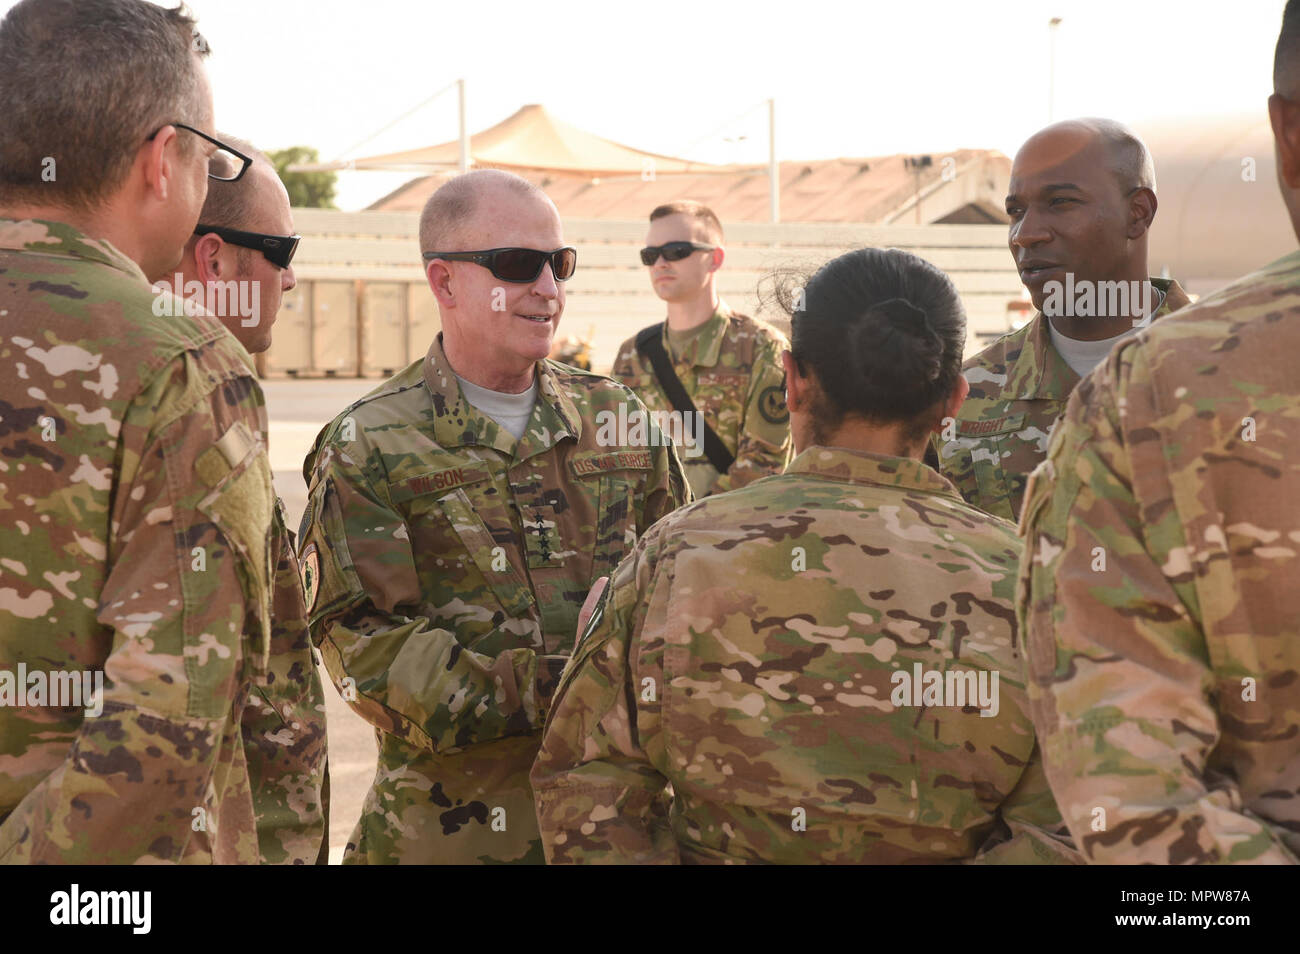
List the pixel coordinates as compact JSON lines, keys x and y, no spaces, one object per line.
{"x":58,"y":238}
{"x":860,"y":467}
{"x":1041,"y":374}
{"x":704,"y":349}
{"x":457,"y":423}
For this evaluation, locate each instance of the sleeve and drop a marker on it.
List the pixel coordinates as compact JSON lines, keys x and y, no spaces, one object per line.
{"x":1032,"y":830}
{"x":1119,"y":672}
{"x":154,"y":775}
{"x":283,"y":728}
{"x":595,"y":784}
{"x":624,"y":369}
{"x":764,"y":446}
{"x":390,"y":663}
{"x":666,"y":488}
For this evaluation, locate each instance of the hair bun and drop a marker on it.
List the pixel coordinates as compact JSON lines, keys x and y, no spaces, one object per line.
{"x":904,"y":315}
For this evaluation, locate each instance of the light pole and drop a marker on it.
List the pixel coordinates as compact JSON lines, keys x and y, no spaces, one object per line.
{"x":1052,"y":25}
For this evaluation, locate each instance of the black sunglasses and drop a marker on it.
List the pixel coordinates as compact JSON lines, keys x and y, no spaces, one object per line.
{"x":278,"y":249}
{"x":227,"y":164}
{"x":517,"y":265}
{"x":672,"y":251}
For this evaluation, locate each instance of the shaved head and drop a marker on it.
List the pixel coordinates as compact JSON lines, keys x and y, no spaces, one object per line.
{"x":448,"y":219}
{"x":1127,"y":155}
{"x":230,"y":204}
{"x":1286,"y":59}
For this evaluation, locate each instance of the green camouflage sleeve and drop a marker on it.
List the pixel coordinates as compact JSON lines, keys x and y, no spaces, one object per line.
{"x":187,"y":604}
{"x":284,"y":727}
{"x":390,"y":664}
{"x":666,"y":487}
{"x":596,"y":787}
{"x":764,"y":446}
{"x":1120,"y":676}
{"x":1034,"y":832}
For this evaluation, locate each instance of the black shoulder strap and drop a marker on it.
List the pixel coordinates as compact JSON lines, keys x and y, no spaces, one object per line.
{"x":650,"y":344}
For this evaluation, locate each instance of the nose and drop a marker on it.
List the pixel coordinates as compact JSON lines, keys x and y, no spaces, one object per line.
{"x":288,"y":281}
{"x":546,"y":286}
{"x":1031,"y":230}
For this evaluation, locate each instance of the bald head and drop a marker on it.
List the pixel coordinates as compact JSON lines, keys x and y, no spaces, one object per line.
{"x":1286,"y":58}
{"x":1123,"y":152}
{"x":231,"y":204}
{"x":451,"y":221}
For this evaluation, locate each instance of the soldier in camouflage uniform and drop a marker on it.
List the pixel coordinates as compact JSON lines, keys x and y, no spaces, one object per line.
{"x":752,"y":651}
{"x":728,"y":363}
{"x":1158,"y":587}
{"x":284,"y":721}
{"x":1081,"y":201}
{"x":456,"y":520}
{"x":136,"y":493}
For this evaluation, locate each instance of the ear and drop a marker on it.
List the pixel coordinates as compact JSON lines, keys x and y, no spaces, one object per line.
{"x":1284,"y":116}
{"x":1141,"y":212}
{"x":797,"y":387}
{"x":952,"y":404}
{"x":208,"y":260}
{"x":438,"y":276}
{"x":716,"y":257}
{"x":155,"y":161}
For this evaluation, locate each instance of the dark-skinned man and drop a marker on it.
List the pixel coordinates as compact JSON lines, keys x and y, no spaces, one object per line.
{"x":1081,"y":201}
{"x":1158,"y":598}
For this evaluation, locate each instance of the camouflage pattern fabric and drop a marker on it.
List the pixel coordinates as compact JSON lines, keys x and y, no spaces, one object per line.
{"x":136,"y":509}
{"x":732,"y":372}
{"x":1158,"y":589}
{"x":746,"y":654}
{"x":445,"y":565}
{"x":284,"y":726}
{"x":1018,"y":389}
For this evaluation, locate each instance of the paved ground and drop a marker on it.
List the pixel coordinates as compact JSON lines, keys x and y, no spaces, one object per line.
{"x":297,"y":411}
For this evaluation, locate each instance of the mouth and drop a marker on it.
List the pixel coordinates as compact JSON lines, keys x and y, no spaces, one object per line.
{"x":1036,"y":271}
{"x":538,"y":319}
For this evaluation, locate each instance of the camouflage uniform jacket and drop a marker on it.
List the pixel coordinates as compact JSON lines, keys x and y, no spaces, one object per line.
{"x":1018,"y":388}
{"x":137,"y":505}
{"x":284,"y":726}
{"x":732,"y":372}
{"x":445,"y":566}
{"x":1159,"y":587}
{"x":746,"y":652}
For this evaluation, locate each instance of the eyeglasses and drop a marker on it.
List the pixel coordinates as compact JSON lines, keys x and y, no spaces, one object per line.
{"x":227,"y":164}
{"x":517,"y":265}
{"x":278,"y":249}
{"x":672,"y":251}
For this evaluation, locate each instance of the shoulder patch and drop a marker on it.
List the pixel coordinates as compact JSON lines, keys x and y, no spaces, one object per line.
{"x":309,"y":567}
{"x":771,"y":404}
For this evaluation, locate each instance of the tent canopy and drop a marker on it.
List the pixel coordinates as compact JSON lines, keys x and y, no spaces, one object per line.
{"x":529,"y":139}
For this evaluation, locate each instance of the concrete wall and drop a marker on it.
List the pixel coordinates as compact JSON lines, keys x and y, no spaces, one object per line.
{"x":361,"y":306}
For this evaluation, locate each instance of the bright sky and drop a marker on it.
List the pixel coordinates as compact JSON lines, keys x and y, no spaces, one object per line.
{"x":856,"y":78}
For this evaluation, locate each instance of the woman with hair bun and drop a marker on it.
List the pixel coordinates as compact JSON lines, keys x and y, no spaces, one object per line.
{"x":823,"y":665}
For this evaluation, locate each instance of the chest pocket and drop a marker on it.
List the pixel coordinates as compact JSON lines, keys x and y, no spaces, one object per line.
{"x":994,"y":451}
{"x":614,"y":482}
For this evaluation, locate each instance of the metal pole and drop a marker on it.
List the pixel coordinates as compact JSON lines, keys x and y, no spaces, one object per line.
{"x":1052,"y":24}
{"x":773,"y":169}
{"x":464,"y":129}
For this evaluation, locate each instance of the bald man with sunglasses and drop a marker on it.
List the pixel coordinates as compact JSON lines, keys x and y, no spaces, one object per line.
{"x":237,"y":265}
{"x":457,"y":517}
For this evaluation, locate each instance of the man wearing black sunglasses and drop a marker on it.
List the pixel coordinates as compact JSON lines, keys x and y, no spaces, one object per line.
{"x":237,"y":265}
{"x":458,"y":516}
{"x":716,"y":373}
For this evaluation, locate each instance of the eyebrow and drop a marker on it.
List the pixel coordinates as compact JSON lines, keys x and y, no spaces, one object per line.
{"x":1053,"y":187}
